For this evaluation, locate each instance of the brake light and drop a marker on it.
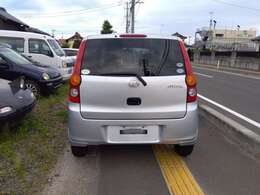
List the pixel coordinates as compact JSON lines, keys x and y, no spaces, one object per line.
{"x":191,"y":80}
{"x":132,"y":35}
{"x":75,"y":79}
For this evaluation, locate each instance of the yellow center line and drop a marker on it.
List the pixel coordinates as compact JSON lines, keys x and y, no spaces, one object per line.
{"x":176,"y":173}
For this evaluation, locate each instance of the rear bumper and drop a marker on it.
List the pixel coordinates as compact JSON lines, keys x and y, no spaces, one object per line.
{"x":84,"y":132}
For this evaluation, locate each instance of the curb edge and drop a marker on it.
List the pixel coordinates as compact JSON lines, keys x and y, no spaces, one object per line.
{"x":238,"y":133}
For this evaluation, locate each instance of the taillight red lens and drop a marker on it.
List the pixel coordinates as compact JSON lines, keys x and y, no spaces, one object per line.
{"x":191,"y":94}
{"x":75,"y":79}
{"x":74,"y":95}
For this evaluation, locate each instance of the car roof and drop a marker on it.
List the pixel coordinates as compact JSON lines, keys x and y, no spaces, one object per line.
{"x":117,"y":36}
{"x":21,"y":34}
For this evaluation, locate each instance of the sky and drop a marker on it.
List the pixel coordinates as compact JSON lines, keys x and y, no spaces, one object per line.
{"x":152,"y":16}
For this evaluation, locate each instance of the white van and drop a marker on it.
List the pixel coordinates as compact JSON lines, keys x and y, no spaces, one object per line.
{"x":40,"y":48}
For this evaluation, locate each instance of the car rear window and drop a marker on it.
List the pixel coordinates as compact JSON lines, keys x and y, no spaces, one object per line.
{"x":145,"y":57}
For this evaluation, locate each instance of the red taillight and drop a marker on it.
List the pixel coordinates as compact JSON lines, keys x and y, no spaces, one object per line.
{"x":191,"y":80}
{"x":75,"y":79}
{"x":191,"y":83}
{"x":132,"y":35}
{"x":74,"y":95}
{"x":191,"y":94}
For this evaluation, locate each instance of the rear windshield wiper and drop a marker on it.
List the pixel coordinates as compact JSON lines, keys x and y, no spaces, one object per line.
{"x":126,"y":74}
{"x":164,"y":57}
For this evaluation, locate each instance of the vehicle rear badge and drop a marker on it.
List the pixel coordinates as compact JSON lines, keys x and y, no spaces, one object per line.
{"x":85,"y":71}
{"x":180,"y":70}
{"x":179,"y":65}
{"x":134,"y":84}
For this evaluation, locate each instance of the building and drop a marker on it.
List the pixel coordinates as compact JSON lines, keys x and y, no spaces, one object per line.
{"x":9,"y":22}
{"x":74,"y":41}
{"x":225,"y":39}
{"x":256,"y":40}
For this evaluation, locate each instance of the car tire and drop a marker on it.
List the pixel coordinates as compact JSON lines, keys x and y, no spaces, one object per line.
{"x":183,"y":150}
{"x":34,"y":87}
{"x":78,"y":151}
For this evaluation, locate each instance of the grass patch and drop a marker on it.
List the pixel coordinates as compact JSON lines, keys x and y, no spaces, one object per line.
{"x":29,"y":150}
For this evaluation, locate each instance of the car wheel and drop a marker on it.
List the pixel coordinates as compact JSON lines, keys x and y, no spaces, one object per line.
{"x":183,"y":150}
{"x":78,"y":151}
{"x":34,"y":87}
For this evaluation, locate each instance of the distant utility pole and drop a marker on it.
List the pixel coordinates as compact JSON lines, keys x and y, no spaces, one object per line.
{"x":189,"y":40}
{"x":132,"y":11}
{"x":133,"y":16}
{"x":211,"y":20}
{"x":53,"y":32}
{"x":127,"y":23}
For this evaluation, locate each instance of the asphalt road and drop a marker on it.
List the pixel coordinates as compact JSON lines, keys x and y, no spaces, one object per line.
{"x":218,"y":166}
{"x":240,"y":93}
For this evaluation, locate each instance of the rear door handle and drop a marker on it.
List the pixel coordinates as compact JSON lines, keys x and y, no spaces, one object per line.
{"x":134,"y":101}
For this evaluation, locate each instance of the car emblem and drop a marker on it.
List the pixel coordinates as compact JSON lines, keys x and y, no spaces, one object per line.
{"x":134,"y":84}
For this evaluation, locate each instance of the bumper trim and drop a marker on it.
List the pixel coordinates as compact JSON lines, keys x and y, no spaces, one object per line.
{"x":84,"y":132}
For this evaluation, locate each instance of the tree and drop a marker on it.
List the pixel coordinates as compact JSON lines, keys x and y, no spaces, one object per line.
{"x":106,"y":28}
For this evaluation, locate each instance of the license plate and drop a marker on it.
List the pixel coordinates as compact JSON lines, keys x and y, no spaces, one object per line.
{"x":145,"y":134}
{"x":133,"y":131}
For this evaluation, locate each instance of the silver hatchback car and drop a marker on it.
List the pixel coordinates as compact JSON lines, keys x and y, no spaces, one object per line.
{"x":132,"y":89}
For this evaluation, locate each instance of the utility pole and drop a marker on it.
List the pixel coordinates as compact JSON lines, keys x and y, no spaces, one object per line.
{"x":53,"y":32}
{"x":132,"y":16}
{"x":189,"y":40}
{"x":127,"y":18}
{"x":132,"y":11}
{"x":211,"y":20}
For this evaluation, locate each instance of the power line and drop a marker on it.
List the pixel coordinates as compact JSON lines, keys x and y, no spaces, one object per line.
{"x":237,"y":5}
{"x":74,"y":12}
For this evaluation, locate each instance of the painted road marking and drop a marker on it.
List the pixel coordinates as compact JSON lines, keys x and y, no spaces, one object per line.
{"x":204,"y":75}
{"x":176,"y":174}
{"x":231,"y":73}
{"x":252,"y":122}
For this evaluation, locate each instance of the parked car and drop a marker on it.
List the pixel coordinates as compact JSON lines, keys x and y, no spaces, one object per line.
{"x":39,"y":79}
{"x":132,"y":89}
{"x":15,"y":101}
{"x":70,"y":51}
{"x":41,"y":48}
